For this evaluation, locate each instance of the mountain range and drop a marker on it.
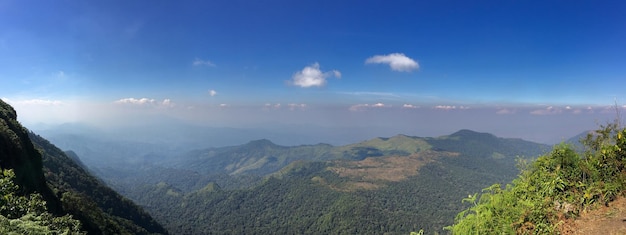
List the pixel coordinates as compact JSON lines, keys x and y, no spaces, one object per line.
{"x":391,"y":185}
{"x":383,"y":185}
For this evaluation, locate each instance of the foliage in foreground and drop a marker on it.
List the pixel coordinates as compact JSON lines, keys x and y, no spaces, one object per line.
{"x":555,"y":186}
{"x":28,"y":215}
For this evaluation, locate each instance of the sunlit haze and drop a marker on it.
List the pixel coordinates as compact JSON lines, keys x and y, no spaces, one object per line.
{"x":327,"y":71}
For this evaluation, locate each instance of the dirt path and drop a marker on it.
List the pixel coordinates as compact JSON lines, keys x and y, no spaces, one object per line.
{"x":603,"y":220}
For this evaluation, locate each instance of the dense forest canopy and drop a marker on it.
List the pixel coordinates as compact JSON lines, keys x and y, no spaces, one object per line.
{"x":384,"y":185}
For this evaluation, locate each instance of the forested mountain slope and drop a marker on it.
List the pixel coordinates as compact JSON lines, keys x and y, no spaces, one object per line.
{"x":18,"y":153}
{"x":555,"y":189}
{"x":64,"y":185}
{"x":88,"y":198}
{"x":262,"y":157}
{"x":384,"y":185}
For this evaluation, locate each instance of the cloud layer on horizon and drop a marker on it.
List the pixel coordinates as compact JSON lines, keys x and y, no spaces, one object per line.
{"x":145,"y":101}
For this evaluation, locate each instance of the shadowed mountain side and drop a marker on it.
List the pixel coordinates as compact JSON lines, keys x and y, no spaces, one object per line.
{"x":101,"y":209}
{"x":18,"y":153}
{"x":64,"y":185}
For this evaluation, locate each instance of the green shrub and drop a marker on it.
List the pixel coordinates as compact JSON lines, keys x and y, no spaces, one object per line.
{"x":555,"y":186}
{"x":28,"y":215}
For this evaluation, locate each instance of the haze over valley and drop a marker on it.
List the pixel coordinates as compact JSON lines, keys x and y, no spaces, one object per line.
{"x":311,"y":117}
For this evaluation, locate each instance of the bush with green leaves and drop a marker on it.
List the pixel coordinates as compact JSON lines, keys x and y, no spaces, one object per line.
{"x":28,"y":214}
{"x":554,"y":187}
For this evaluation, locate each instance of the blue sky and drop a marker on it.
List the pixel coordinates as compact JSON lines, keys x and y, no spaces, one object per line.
{"x":65,"y":61}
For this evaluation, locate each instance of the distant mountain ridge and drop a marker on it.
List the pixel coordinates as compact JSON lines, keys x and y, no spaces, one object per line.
{"x":383,"y":185}
{"x":262,"y":157}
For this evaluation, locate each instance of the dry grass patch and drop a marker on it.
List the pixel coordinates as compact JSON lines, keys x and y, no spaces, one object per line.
{"x":372,"y":172}
{"x":603,"y":220}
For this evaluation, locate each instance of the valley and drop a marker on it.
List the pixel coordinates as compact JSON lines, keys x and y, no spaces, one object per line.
{"x":395,"y":185}
{"x":312,"y":117}
{"x":389,"y":185}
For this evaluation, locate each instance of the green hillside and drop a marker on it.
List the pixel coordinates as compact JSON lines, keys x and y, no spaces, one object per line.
{"x":18,"y":153}
{"x":259,"y":157}
{"x":552,"y":190}
{"x":88,"y":199}
{"x":385,"y":185}
{"x":262,"y":157}
{"x":42,"y":169}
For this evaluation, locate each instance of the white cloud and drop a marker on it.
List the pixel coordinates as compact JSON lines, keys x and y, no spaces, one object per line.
{"x":370,"y":93}
{"x":212,"y":92}
{"x":362,"y":107}
{"x":293,"y":107}
{"x":269,"y":106}
{"x":39,"y":102}
{"x":145,"y":102}
{"x":547,"y":111}
{"x":223,"y":105}
{"x":445,"y":107}
{"x":451,"y":107}
{"x":397,"y":61}
{"x":199,"y":62}
{"x":336,"y":73}
{"x":167,"y":103}
{"x":378,"y":105}
{"x":409,"y":106}
{"x":506,"y":111}
{"x":574,"y":110}
{"x":135,"y":101}
{"x":312,"y":76}
{"x":553,"y":110}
